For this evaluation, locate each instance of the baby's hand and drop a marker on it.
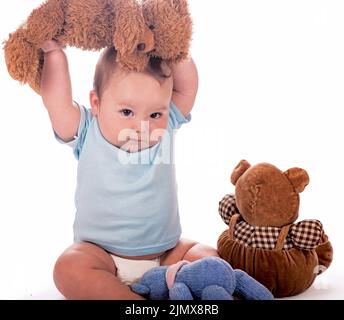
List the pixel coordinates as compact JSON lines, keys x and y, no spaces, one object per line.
{"x":51,"y":45}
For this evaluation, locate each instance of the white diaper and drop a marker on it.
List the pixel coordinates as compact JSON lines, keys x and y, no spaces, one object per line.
{"x":130,"y":271}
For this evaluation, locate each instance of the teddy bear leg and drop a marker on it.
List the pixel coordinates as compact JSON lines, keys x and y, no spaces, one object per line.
{"x":215,"y":292}
{"x":180,"y":291}
{"x":249,"y":288}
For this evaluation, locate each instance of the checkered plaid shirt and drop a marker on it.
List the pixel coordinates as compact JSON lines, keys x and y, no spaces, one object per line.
{"x":305,"y":234}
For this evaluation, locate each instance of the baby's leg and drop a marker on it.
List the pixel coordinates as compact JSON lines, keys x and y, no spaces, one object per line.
{"x":187,"y":250}
{"x":85,"y":271}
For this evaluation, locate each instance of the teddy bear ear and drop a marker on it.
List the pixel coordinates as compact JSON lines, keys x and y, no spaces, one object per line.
{"x":298,"y":177}
{"x":180,"y":5}
{"x":239,"y":170}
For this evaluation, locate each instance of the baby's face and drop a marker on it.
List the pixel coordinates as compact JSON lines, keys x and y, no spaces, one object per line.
{"x":133,"y":110}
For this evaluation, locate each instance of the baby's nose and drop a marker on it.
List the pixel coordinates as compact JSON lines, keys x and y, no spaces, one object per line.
{"x":141,"y":126}
{"x":136,"y":125}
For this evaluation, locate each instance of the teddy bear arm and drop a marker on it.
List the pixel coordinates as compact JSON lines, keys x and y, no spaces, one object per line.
{"x":324,"y":252}
{"x":228,"y":208}
{"x":307,"y":234}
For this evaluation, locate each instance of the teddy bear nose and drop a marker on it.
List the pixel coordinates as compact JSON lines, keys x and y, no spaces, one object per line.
{"x":141,"y":46}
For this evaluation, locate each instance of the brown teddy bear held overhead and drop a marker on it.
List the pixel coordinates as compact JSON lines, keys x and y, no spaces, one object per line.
{"x":137,"y":29}
{"x":263,"y":239}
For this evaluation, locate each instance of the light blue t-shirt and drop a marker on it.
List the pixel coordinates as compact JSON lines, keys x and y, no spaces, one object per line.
{"x":126,"y":202}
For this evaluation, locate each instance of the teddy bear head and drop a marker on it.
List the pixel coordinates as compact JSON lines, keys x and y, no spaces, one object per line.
{"x":138,"y":29}
{"x":267,"y":196}
{"x":159,"y":29}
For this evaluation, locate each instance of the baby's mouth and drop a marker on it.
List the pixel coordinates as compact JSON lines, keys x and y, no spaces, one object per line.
{"x":139,"y":142}
{"x":135,"y":140}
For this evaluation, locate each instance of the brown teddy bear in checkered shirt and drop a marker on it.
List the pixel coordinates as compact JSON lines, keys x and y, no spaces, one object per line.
{"x":263,"y":239}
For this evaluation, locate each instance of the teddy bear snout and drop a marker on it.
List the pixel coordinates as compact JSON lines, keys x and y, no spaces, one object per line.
{"x":147,"y":43}
{"x":142,"y":47}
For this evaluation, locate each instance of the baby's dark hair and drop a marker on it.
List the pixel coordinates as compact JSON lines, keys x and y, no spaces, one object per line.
{"x":107,"y":65}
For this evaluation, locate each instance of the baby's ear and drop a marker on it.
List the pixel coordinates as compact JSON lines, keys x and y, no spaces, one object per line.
{"x":140,"y":289}
{"x":239,"y":170}
{"x":298,"y":177}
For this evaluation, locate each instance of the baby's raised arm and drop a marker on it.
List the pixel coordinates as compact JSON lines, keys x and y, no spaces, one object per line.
{"x":56,"y":91}
{"x":185,"y":85}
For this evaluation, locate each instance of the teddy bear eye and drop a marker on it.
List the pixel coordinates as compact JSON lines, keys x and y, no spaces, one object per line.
{"x":141,"y":46}
{"x":152,"y":27}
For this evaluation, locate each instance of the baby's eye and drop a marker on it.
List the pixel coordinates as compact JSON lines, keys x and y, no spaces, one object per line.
{"x":156,"y":115}
{"x":126,"y":113}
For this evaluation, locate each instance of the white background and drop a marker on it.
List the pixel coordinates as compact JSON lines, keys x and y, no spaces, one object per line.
{"x":271,"y":89}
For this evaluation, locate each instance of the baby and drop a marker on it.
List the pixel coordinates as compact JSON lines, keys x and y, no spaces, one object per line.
{"x":127,"y":218}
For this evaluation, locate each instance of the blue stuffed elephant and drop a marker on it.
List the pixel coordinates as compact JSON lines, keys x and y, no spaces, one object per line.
{"x":209,"y":278}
